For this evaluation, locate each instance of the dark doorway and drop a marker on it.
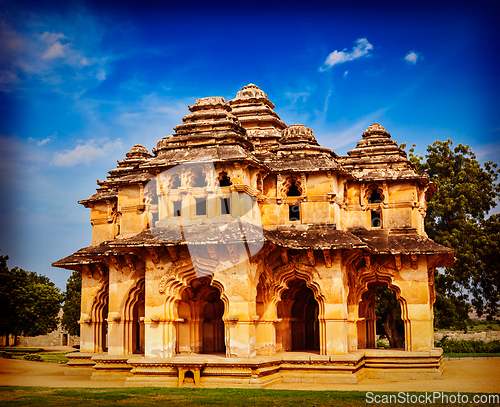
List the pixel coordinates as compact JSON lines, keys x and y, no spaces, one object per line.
{"x":302,"y":309}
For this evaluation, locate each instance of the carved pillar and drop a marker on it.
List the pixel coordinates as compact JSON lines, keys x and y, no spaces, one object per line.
{"x":417,"y":313}
{"x":333,"y":322}
{"x":239,"y":321}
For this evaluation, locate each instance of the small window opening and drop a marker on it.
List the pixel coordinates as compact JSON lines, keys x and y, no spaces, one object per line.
{"x":376,"y":220}
{"x":294,"y":212}
{"x":199,"y":180}
{"x":201,"y":206}
{"x":154,"y":210}
{"x":225,"y":205}
{"x":224,"y":180}
{"x":177,"y":208}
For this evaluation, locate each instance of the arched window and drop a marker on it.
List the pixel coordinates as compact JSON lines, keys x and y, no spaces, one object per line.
{"x":199,"y":179}
{"x":293,"y":210}
{"x":376,"y":214}
{"x":175,"y":181}
{"x":375,"y":197}
{"x":224,"y":180}
{"x":293,"y":190}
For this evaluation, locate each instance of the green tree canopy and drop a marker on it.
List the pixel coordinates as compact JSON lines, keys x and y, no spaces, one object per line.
{"x":29,"y":302}
{"x":458,"y":217}
{"x":72,"y":303}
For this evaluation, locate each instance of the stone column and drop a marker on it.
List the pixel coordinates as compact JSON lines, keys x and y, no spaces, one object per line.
{"x":333,"y":322}
{"x":160,"y":329}
{"x":240,"y":310}
{"x":413,"y":282}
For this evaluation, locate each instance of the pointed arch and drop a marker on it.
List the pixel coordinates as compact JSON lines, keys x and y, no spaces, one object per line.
{"x":362,"y":294}
{"x":99,"y":315}
{"x":133,"y":312}
{"x":186,"y":295}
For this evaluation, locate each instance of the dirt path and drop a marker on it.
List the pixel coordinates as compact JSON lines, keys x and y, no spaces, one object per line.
{"x":466,"y":375}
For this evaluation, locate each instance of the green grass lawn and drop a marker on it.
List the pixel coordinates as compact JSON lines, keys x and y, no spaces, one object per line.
{"x":53,"y":357}
{"x":137,"y":397}
{"x":470,"y":355}
{"x":21,"y":350}
{"x":485,"y":326}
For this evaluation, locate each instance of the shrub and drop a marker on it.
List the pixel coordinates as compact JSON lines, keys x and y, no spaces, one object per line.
{"x":5,"y":355}
{"x":34,"y":357}
{"x":468,"y":346}
{"x":382,"y":344}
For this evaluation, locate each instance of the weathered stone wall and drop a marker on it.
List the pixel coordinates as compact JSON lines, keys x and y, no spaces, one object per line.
{"x":485,"y":336}
{"x":54,"y":338}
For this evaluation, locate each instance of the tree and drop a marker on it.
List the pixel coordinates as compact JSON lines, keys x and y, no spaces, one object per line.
{"x":389,"y":322}
{"x":29,"y":302}
{"x":72,"y":304}
{"x":457,"y":217}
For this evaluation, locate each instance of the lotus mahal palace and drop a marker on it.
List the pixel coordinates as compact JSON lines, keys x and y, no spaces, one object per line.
{"x":241,"y":253}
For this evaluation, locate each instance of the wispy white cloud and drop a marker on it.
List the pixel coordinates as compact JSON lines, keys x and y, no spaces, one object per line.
{"x":86,"y":152}
{"x":295,"y":96}
{"x":53,"y":57}
{"x":412,"y":57}
{"x":41,"y":143}
{"x":360,"y":50}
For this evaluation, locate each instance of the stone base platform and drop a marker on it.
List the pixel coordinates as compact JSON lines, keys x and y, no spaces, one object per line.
{"x":80,"y":364}
{"x":285,"y":367}
{"x":112,"y":367}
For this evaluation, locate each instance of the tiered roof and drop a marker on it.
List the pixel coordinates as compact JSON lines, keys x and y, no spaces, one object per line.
{"x":378,"y":157}
{"x":255,"y":113}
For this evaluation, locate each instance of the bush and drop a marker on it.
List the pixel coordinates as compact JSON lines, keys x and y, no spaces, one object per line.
{"x":33,"y":357}
{"x":468,"y":346}
{"x":382,"y":344}
{"x":5,"y":355}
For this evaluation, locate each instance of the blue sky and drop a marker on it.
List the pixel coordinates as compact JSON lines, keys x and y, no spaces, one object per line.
{"x":82,"y":82}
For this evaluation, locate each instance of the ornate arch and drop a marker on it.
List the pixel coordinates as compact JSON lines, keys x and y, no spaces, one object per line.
{"x":287,"y":182}
{"x":374,"y":273}
{"x":133,"y":299}
{"x":178,"y":277}
{"x":98,"y":317}
{"x":374,"y":188}
{"x":205,"y":171}
{"x":275,"y":282}
{"x":100,"y":302}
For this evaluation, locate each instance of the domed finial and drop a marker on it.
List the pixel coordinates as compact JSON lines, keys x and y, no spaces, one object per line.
{"x":210,"y":103}
{"x":251,"y":91}
{"x":138,"y":152}
{"x":297,"y":132}
{"x":376,"y":130}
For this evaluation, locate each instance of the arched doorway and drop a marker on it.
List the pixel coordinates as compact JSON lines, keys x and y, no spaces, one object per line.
{"x":200,"y":326}
{"x":99,"y":320}
{"x":133,"y":321}
{"x":213,"y":326}
{"x":382,"y":313}
{"x":298,"y":311}
{"x":138,"y":326}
